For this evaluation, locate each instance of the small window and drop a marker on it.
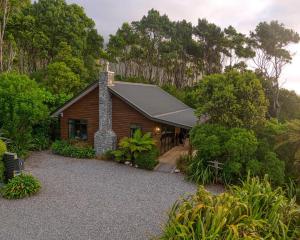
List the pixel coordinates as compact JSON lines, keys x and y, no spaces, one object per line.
{"x":133,"y":128}
{"x":78,"y":129}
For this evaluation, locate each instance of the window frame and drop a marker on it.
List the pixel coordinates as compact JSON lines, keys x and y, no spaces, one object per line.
{"x":133,"y":127}
{"x":80,"y":123}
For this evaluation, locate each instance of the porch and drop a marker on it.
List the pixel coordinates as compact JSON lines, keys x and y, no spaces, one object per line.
{"x":168,"y":160}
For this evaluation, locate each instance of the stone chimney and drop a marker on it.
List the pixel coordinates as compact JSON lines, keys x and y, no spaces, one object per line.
{"x":105,"y":138}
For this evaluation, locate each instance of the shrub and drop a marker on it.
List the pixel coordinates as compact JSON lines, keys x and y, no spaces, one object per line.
{"x":21,"y":186}
{"x":198,"y":172}
{"x":147,"y":160}
{"x":237,"y":149}
{"x":131,"y":148}
{"x":22,"y":106}
{"x":183,"y":161}
{"x":75,"y":150}
{"x":2,"y":151}
{"x":250,"y":211}
{"x":108,"y":155}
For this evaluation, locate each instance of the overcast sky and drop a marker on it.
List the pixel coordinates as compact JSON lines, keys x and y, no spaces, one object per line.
{"x":242,"y":14}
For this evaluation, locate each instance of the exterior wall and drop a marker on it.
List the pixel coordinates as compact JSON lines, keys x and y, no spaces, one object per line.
{"x":86,"y":108}
{"x":123,"y":115}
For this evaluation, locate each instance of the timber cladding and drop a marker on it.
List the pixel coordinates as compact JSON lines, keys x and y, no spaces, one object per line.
{"x":123,"y":116}
{"x":86,"y":108}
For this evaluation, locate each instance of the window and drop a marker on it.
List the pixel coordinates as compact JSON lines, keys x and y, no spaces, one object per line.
{"x":133,"y":128}
{"x":78,"y":129}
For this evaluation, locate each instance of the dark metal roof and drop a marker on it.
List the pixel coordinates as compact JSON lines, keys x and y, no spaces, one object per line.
{"x":155,"y":103}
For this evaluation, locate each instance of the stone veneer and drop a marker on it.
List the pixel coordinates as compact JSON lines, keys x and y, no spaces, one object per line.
{"x":105,"y":138}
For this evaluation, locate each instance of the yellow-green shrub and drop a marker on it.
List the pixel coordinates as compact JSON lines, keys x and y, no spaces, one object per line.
{"x":250,"y":211}
{"x":2,"y":151}
{"x":21,"y":186}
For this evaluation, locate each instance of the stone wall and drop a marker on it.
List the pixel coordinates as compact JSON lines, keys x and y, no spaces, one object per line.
{"x":105,"y":138}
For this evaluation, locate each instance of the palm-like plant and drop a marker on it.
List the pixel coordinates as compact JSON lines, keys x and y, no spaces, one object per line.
{"x":130,"y":148}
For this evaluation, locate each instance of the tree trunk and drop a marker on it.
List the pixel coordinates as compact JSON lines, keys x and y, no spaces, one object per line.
{"x":4,"y":6}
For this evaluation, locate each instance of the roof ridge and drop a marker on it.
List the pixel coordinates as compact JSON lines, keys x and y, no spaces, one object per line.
{"x":133,"y":83}
{"x":168,"y":113}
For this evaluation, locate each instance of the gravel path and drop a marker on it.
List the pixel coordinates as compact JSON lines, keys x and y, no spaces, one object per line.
{"x":91,"y":199}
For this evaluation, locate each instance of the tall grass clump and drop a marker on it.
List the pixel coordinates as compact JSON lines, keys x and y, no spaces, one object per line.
{"x":250,"y":211}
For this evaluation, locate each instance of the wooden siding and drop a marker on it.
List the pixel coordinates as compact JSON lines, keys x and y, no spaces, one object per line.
{"x":123,"y":115}
{"x":85,"y":108}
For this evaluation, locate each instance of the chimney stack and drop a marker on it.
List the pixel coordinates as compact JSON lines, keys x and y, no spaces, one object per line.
{"x":105,"y":138}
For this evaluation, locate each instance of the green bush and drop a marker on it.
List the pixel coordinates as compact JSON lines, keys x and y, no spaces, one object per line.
{"x":22,"y":107}
{"x":237,"y":149}
{"x":183,"y":161}
{"x":147,"y":160}
{"x":131,"y":148}
{"x":21,"y":186}
{"x":250,"y":211}
{"x":75,"y":150}
{"x":198,"y":172}
{"x":2,"y":151}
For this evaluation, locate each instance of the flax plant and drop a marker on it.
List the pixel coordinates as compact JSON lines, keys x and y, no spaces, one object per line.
{"x":250,"y":211}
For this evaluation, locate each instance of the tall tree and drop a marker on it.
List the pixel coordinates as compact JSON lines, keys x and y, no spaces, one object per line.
{"x":232,"y":99}
{"x":270,"y":41}
{"x":8,"y":9}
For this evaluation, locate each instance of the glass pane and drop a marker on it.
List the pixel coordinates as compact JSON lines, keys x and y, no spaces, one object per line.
{"x":78,"y":129}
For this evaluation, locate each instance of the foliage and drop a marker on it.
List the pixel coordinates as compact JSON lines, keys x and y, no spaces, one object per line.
{"x":175,"y":52}
{"x":59,"y":79}
{"x":271,"y":41}
{"x":131,"y":148}
{"x":232,"y":99}
{"x":198,"y":172}
{"x":289,"y":105}
{"x":148,"y":159}
{"x":3,"y":149}
{"x":237,"y":149}
{"x":22,"y":106}
{"x":183,"y":161}
{"x":75,"y":149}
{"x":290,"y":140}
{"x":250,"y":211}
{"x":108,"y":155}
{"x":39,"y":41}
{"x":21,"y":186}
{"x":183,"y":94}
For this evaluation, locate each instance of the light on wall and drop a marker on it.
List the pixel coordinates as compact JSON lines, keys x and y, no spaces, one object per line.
{"x":157,"y":130}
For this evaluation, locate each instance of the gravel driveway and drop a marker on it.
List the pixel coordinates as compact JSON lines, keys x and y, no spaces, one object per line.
{"x":91,"y":199}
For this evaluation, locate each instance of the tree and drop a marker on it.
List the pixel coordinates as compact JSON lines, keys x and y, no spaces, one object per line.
{"x":8,"y":9}
{"x":238,"y":48}
{"x":60,"y":79}
{"x":41,"y":29}
{"x":22,"y":105}
{"x":270,"y":41}
{"x":211,"y":41}
{"x":289,"y":142}
{"x":232,"y":99}
{"x":289,"y":105}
